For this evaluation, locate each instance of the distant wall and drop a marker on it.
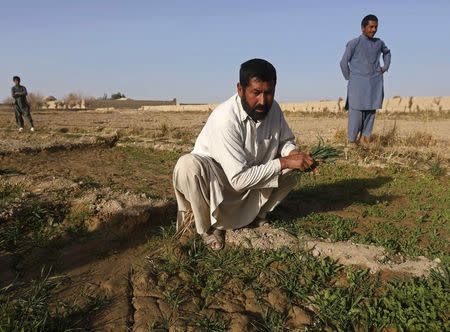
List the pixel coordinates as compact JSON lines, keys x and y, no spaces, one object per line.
{"x":134,"y":104}
{"x":180,"y":108}
{"x":394,"y":104}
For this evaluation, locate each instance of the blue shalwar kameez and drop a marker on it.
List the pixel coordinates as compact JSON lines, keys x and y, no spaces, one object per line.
{"x":360,"y":65}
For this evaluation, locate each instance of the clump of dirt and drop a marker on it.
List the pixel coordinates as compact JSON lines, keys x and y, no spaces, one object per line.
{"x":119,"y":210}
{"x":346,"y":253}
{"x":54,"y":142}
{"x":263,"y":238}
{"x":372,"y":257}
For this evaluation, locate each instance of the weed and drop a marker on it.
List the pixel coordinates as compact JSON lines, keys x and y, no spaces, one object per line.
{"x":273,"y":321}
{"x":87,"y":182}
{"x":174,"y":297}
{"x":214,"y":323}
{"x":386,"y":138}
{"x":163,"y":325}
{"x":8,"y":193}
{"x":419,"y":139}
{"x":162,"y":131}
{"x":325,"y":226}
{"x":340,"y":136}
{"x":76,"y":222}
{"x":436,"y":169}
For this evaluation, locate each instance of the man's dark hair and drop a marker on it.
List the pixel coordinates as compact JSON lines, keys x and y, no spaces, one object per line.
{"x":368,"y":18}
{"x":16,"y":78}
{"x":257,"y":68}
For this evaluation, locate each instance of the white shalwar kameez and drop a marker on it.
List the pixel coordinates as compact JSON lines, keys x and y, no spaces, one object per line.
{"x":233,"y":175}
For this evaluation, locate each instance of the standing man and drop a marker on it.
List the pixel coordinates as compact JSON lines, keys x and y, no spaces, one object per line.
{"x":239,"y":168}
{"x":360,"y":65}
{"x":21,"y":106}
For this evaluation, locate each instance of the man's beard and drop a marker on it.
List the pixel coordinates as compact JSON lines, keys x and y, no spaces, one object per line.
{"x":256,"y":116}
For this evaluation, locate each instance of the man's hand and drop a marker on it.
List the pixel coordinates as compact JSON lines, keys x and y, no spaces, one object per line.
{"x":298,"y":160}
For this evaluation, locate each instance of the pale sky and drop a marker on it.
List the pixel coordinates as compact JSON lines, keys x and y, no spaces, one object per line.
{"x":192,"y":50}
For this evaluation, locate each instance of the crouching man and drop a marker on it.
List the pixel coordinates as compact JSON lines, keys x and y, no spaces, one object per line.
{"x":239,"y":168}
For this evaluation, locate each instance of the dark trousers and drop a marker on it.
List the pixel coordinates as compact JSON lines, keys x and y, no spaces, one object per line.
{"x":23,"y":113}
{"x":360,"y":122}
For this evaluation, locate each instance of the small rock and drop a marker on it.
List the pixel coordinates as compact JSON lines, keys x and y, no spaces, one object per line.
{"x":239,"y":323}
{"x":166,"y":310}
{"x":298,"y":318}
{"x":277,"y":300}
{"x":437,"y":260}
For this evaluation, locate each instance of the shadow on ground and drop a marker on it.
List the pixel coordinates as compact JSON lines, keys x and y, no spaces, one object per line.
{"x":331,"y":197}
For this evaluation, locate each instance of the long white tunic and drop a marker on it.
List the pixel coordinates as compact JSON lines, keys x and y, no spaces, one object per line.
{"x":247,"y":152}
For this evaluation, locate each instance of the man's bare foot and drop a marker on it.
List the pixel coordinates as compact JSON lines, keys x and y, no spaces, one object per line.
{"x":365,"y":140}
{"x":214,"y":239}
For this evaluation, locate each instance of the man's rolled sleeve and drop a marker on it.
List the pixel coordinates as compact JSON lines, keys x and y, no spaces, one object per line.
{"x":288,"y":147}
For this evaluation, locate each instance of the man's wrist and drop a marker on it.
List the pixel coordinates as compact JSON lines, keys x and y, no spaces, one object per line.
{"x":285,"y":163}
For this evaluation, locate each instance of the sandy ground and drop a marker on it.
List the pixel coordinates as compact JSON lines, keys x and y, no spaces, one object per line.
{"x":145,"y":126}
{"x":305,"y":127}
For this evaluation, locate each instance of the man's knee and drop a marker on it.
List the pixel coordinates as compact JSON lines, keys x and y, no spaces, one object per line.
{"x":188,"y":165}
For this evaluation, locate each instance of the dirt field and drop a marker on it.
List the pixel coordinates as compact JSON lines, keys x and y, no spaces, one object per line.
{"x":87,"y":238}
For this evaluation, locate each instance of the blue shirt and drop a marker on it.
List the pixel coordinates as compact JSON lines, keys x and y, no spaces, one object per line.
{"x":360,"y":65}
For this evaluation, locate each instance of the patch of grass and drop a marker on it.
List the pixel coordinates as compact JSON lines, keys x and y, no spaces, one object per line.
{"x":300,"y":274}
{"x":29,"y":308}
{"x":413,"y":305}
{"x":340,"y":136}
{"x":386,"y":138}
{"x":162,"y":130}
{"x":182,"y":134}
{"x":148,"y":191}
{"x":87,"y":182}
{"x":75,"y":222}
{"x":342,"y":299}
{"x":368,"y":304}
{"x":8,"y":193}
{"x":272,"y":321}
{"x":167,"y":232}
{"x":33,"y":225}
{"x":214,"y":323}
{"x":419,"y":139}
{"x":174,"y":297}
{"x":436,"y":169}
{"x":400,"y":209}
{"x":160,"y":161}
{"x":163,"y":325}
{"x":329,"y":226}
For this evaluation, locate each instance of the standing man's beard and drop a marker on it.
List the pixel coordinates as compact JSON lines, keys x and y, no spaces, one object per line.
{"x":252,"y":111}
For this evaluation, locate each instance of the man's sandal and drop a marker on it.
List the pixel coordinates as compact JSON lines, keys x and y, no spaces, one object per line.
{"x":215,"y":239}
